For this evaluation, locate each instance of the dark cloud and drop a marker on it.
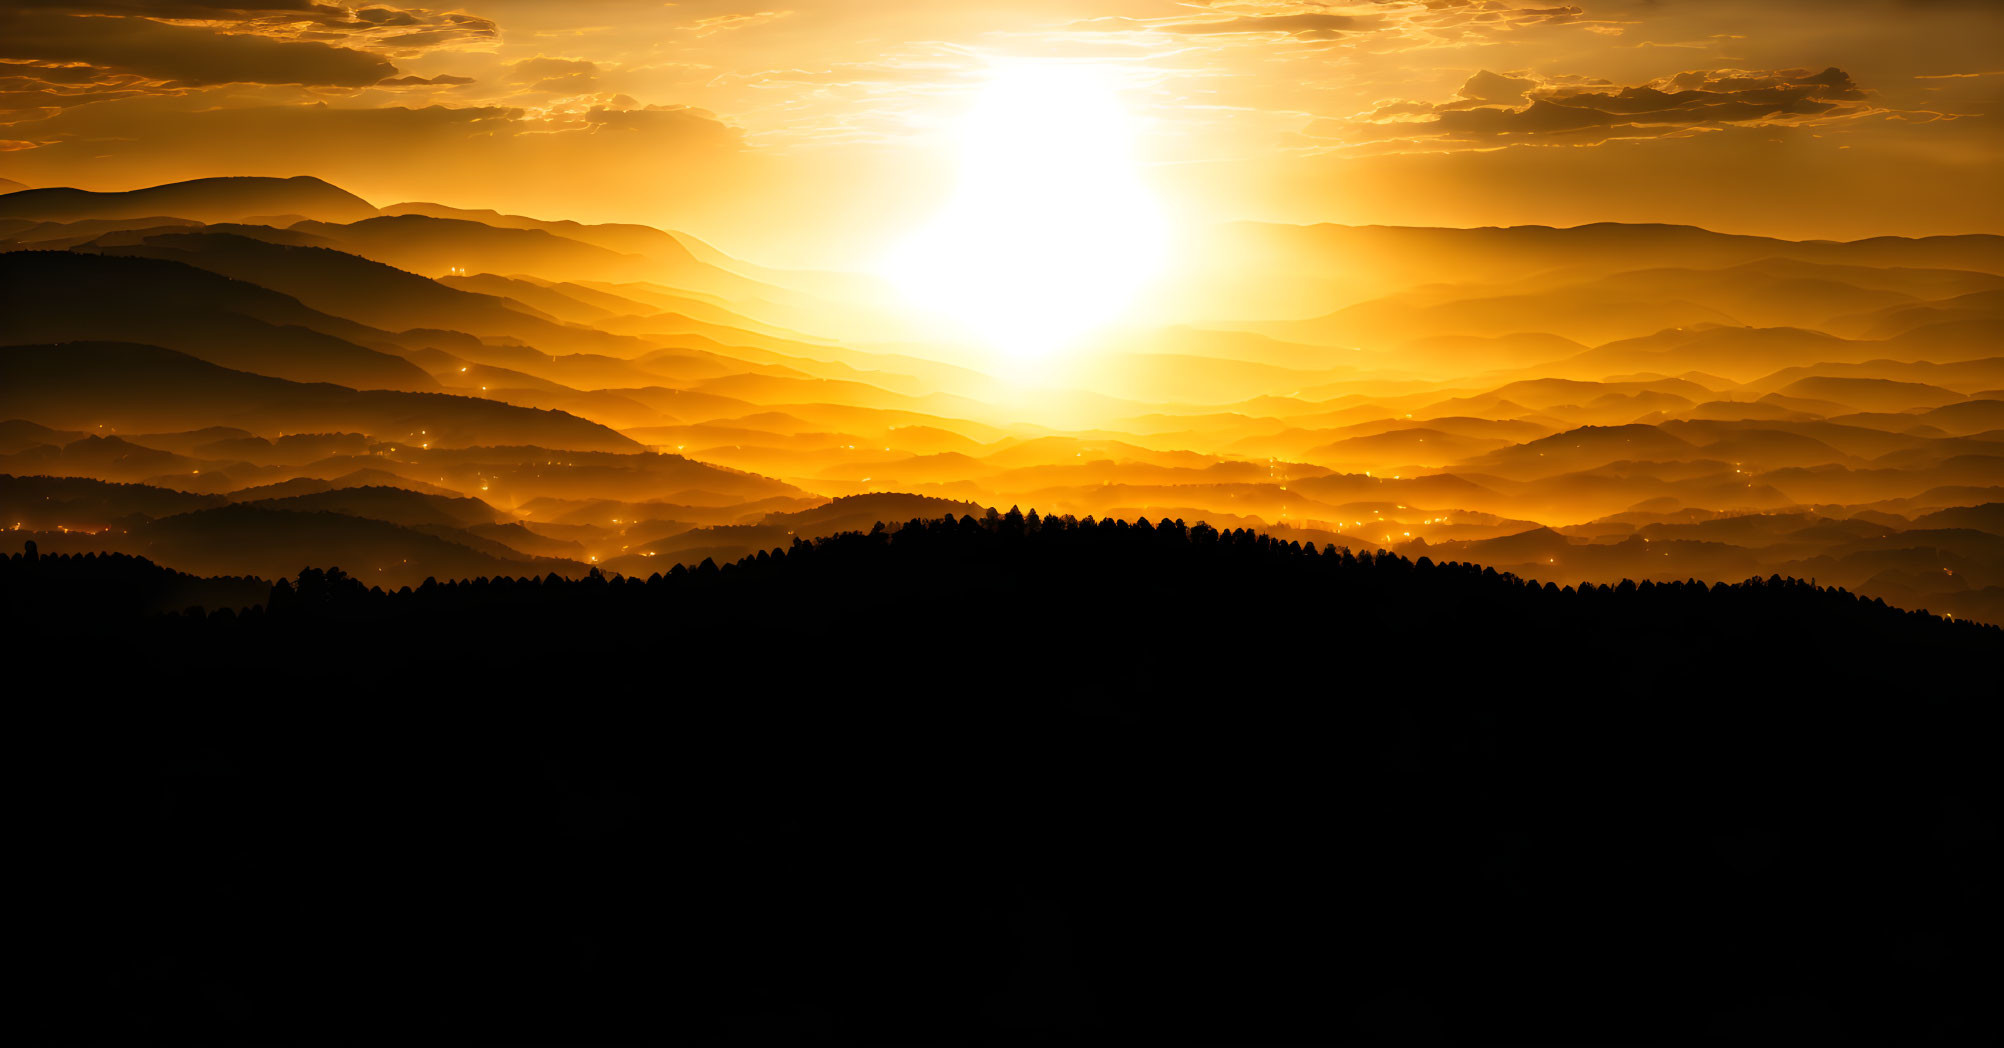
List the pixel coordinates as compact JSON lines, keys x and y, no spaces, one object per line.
{"x":1717,"y":93}
{"x":393,"y":29}
{"x":1306,"y":25}
{"x":1486,"y":86}
{"x":182,"y":56}
{"x":1540,"y":117}
{"x":1495,"y":107}
{"x":349,"y":137}
{"x":442,"y":80}
{"x":387,"y":16}
{"x":184,"y":8}
{"x":1412,"y":21}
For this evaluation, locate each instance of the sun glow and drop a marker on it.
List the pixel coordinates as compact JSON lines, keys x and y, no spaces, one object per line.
{"x":1051,"y":230}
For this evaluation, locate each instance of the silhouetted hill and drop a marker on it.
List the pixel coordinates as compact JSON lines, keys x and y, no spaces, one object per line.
{"x":135,"y":387}
{"x":101,"y":587}
{"x":732,"y":541}
{"x":201,"y":199}
{"x":63,"y":296}
{"x":1029,"y":778}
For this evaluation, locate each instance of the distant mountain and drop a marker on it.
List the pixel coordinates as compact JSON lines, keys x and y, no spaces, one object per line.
{"x":1283,"y":270}
{"x":660,"y":312}
{"x":1583,"y":315}
{"x":1772,"y":292}
{"x":1546,"y":394}
{"x":361,"y":478}
{"x":137,"y":387}
{"x":371,"y":292}
{"x":1738,"y":353}
{"x":8,"y":185}
{"x":1978,"y":307}
{"x":203,"y":199}
{"x":1402,"y":447}
{"x":388,"y":503}
{"x":543,"y":299}
{"x":1581,"y":448}
{"x":274,"y":542}
{"x":67,"y":296}
{"x":106,"y":457}
{"x":1976,"y":415}
{"x":686,"y":261}
{"x":39,"y":503}
{"x":20,"y":434}
{"x":623,"y":237}
{"x":17,"y":233}
{"x":1872,"y":394}
{"x":1478,"y":353}
{"x":1987,"y":517}
{"x":860,"y":512}
{"x":1966,"y":376}
{"x":436,"y":246}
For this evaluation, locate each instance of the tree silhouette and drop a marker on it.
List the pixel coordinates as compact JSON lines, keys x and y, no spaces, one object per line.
{"x":956,"y":779}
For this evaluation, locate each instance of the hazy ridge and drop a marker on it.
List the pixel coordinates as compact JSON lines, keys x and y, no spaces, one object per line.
{"x":1596,"y":403}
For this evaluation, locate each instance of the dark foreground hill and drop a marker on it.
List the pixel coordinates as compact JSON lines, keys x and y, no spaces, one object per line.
{"x":1016,"y":779}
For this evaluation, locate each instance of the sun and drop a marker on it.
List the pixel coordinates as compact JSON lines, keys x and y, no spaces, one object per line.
{"x":1051,"y":230}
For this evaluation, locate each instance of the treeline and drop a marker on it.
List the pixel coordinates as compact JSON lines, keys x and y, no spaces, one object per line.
{"x":1005,"y":780}
{"x":44,"y":594}
{"x":1057,"y":579}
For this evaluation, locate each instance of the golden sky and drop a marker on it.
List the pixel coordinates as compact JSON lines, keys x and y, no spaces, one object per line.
{"x":806,"y":131}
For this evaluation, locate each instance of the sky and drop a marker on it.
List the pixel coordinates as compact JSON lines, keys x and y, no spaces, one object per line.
{"x":814,"y":131}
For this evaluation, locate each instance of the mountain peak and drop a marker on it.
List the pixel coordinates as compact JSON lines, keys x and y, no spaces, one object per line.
{"x":220,"y":199}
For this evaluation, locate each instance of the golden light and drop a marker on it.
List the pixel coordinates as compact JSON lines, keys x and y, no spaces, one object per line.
{"x":1051,"y":230}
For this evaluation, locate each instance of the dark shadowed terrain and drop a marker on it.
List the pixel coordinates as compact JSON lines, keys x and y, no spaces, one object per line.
{"x":1022,"y":779}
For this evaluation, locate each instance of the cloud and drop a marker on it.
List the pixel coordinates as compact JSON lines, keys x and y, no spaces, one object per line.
{"x":1389,"y":25}
{"x":727,"y":22}
{"x":442,"y":80}
{"x":1486,"y":86}
{"x":1493,"y":109}
{"x":655,"y":120}
{"x":184,"y":8}
{"x":1303,"y":25}
{"x":182,"y":56}
{"x":558,"y":75}
{"x":394,"y":31}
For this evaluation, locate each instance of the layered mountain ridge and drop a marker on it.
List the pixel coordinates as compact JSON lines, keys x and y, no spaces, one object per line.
{"x":1585,"y":404}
